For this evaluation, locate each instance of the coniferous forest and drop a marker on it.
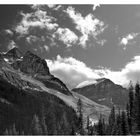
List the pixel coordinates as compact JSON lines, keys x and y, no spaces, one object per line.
{"x":121,"y":122}
{"x":45,"y":114}
{"x":34,"y":113}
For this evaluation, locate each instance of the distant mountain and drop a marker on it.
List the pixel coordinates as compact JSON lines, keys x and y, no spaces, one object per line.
{"x":104,"y":91}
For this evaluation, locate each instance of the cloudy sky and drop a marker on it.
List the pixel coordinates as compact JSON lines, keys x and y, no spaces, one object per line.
{"x":79,"y":42}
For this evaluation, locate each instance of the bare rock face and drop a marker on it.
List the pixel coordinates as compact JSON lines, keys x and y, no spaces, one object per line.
{"x":105,"y":92}
{"x":28,"y":63}
{"x":32,"y":64}
{"x":13,"y":54}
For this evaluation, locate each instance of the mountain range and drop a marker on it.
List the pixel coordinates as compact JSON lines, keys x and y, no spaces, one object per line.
{"x":30,"y":74}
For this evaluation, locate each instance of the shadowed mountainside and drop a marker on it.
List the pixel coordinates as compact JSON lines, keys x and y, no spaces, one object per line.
{"x":104,"y":92}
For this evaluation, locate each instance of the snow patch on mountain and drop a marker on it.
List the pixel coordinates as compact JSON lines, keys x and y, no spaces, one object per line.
{"x":91,"y":82}
{"x":86,"y":83}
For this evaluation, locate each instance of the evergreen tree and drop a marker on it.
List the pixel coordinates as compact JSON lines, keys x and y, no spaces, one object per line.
{"x":111,"y":120}
{"x":43,"y":122}
{"x":131,"y":100}
{"x":137,"y":106}
{"x":52,"y":125}
{"x":63,"y":125}
{"x":116,"y":130}
{"x":129,"y":119}
{"x":6,"y":132}
{"x":11,"y":131}
{"x":88,"y":127}
{"x":100,"y":126}
{"x":80,"y":114}
{"x":72,"y":130}
{"x":118,"y":125}
{"x":124,"y":124}
{"x":130,"y":108}
{"x":35,"y":126}
{"x":104,"y":126}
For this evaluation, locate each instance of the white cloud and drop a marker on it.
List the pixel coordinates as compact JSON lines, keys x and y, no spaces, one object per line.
{"x":131,"y":72}
{"x":88,"y":25}
{"x":73,"y":71}
{"x":51,"y":5}
{"x":66,"y":35}
{"x":36,"y":6}
{"x":70,"y":70}
{"x":132,"y":69}
{"x":95,"y":6}
{"x":58,"y":7}
{"x":126,"y":40}
{"x":102,"y":42}
{"x":51,"y":30}
{"x":31,"y":38}
{"x":38,"y":18}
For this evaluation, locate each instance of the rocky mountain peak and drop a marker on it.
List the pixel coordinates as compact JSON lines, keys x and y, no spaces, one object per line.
{"x":105,"y":82}
{"x":37,"y":68}
{"x":32,"y":64}
{"x":105,"y":92}
{"x":30,"y":54}
{"x":13,"y":54}
{"x":90,"y":83}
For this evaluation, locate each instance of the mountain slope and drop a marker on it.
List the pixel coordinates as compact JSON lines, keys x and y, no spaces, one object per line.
{"x":104,"y":92}
{"x":32,"y":65}
{"x":18,"y":107}
{"x":34,"y":76}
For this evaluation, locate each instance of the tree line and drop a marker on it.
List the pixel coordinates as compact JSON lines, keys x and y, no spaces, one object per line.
{"x":121,"y":122}
{"x":28,"y":112}
{"x":35,"y":113}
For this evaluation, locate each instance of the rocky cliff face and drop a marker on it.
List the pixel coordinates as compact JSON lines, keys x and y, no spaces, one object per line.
{"x":105,"y":92}
{"x":30,"y":65}
{"x":12,"y":55}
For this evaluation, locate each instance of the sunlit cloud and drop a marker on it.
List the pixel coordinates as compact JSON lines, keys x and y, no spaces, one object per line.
{"x":126,"y":40}
{"x":31,"y":20}
{"x":70,"y":70}
{"x":46,"y":48}
{"x":51,"y":5}
{"x":95,"y":6}
{"x":88,"y":25}
{"x":66,"y":36}
{"x":73,"y":72}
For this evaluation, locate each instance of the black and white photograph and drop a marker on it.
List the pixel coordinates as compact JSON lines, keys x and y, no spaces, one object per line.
{"x":70,"y":69}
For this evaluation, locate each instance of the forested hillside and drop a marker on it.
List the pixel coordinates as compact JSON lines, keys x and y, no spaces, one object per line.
{"x":34,"y":113}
